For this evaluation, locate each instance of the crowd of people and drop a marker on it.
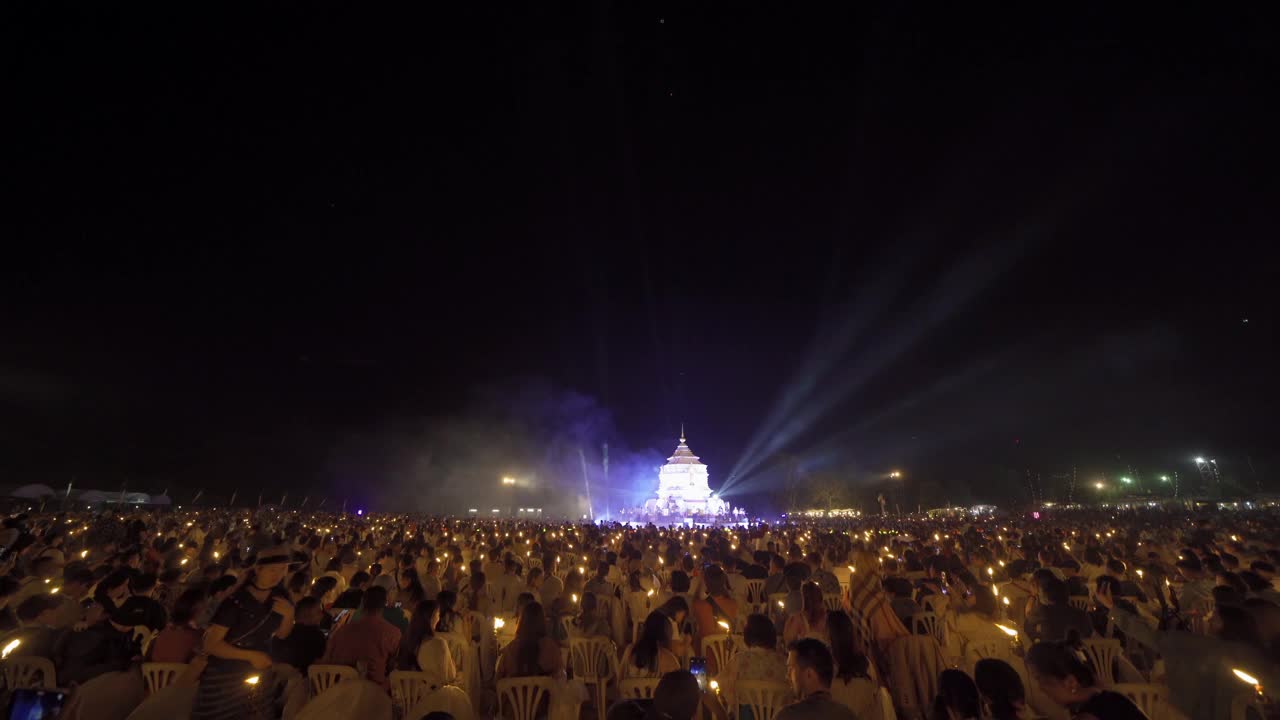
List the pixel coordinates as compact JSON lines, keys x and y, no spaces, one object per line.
{"x":1090,"y":614}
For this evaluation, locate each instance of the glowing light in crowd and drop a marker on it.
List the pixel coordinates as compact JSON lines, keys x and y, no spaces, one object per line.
{"x":499,"y":623}
{"x":1007,"y":630}
{"x":13,"y":645}
{"x":723,"y":624}
{"x":252,"y":679}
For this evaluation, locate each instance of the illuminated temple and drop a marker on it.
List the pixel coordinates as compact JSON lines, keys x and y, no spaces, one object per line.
{"x":683,"y":488}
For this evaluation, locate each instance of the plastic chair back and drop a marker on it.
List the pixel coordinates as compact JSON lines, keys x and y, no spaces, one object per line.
{"x":926,"y":623}
{"x":1080,"y":602}
{"x":323,"y":677}
{"x":832,"y":601}
{"x":523,"y":696}
{"x":159,"y":676}
{"x":718,"y":649}
{"x":448,"y":699}
{"x":638,"y":688}
{"x":764,"y":698}
{"x":1149,"y":698}
{"x":594,"y":659}
{"x":1102,"y":654}
{"x":409,"y":688}
{"x":29,"y":672}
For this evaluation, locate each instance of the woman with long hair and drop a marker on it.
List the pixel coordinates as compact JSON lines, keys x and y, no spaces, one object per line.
{"x":851,"y":684}
{"x":957,"y":697}
{"x":532,"y":652}
{"x":810,"y":621}
{"x":1001,"y":688}
{"x":651,"y":655}
{"x":676,"y":609}
{"x":424,"y":651}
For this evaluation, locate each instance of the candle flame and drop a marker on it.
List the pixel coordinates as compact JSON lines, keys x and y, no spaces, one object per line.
{"x":13,"y":645}
{"x":1238,"y":673}
{"x":1007,"y":630}
{"x":252,"y":679}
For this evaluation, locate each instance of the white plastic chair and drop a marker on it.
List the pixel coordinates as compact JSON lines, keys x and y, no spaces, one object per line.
{"x":764,"y":698}
{"x":926,"y":623}
{"x":1149,"y":698}
{"x":322,"y":677}
{"x":29,"y":672}
{"x":159,"y":676}
{"x":448,"y":699}
{"x":523,"y":695}
{"x":594,"y":659}
{"x":1102,"y":654}
{"x":885,"y":702}
{"x":832,"y":601}
{"x":718,"y":649}
{"x":638,"y":688}
{"x":409,"y":688}
{"x":755,"y":596}
{"x":1079,"y":602}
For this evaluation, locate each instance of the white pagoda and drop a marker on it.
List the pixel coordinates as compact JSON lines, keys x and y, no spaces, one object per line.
{"x":682,"y":486}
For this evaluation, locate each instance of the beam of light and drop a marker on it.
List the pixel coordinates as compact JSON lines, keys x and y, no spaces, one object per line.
{"x":822,"y":355}
{"x":961,"y":285}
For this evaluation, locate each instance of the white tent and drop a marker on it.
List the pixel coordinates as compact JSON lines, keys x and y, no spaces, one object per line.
{"x":33,"y":492}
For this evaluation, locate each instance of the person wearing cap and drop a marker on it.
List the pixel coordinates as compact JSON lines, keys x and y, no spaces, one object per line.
{"x":238,"y":641}
{"x":104,"y":647}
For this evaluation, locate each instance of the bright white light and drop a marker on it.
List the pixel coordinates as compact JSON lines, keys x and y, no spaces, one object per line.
{"x":13,"y":645}
{"x":1199,"y":460}
{"x":1238,"y":672}
{"x":1007,"y":630}
{"x":252,"y":679}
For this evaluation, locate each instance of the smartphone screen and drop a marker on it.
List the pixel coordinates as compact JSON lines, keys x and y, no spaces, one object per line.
{"x":698,"y":668}
{"x":28,"y":704}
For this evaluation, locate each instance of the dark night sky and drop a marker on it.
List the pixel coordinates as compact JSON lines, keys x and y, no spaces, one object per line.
{"x":235,"y":240}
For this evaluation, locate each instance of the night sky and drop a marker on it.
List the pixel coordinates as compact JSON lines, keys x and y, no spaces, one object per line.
{"x":962,"y":242}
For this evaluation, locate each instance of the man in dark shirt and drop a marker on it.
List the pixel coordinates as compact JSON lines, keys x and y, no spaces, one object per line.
{"x":1054,"y":618}
{"x":107,"y":646}
{"x":810,"y":669}
{"x":306,"y":643}
{"x":757,"y":570}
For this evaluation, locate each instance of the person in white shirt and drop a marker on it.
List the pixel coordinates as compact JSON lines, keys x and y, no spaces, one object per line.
{"x":552,"y":586}
{"x":508,"y":586}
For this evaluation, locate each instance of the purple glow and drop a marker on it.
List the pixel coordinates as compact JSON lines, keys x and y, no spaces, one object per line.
{"x":361,"y":512}
{"x":1035,"y":515}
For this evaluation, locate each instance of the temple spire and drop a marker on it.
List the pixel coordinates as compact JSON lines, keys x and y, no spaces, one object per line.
{"x":682,"y":440}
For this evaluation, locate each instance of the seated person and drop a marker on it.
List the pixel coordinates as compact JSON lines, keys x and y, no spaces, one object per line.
{"x":370,"y":639}
{"x":306,"y":643}
{"x":180,"y":640}
{"x":532,"y":652}
{"x":651,"y":655}
{"x":106,"y":646}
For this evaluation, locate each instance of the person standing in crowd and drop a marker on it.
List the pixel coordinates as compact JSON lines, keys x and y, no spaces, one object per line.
{"x":238,"y":642}
{"x":810,"y":668}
